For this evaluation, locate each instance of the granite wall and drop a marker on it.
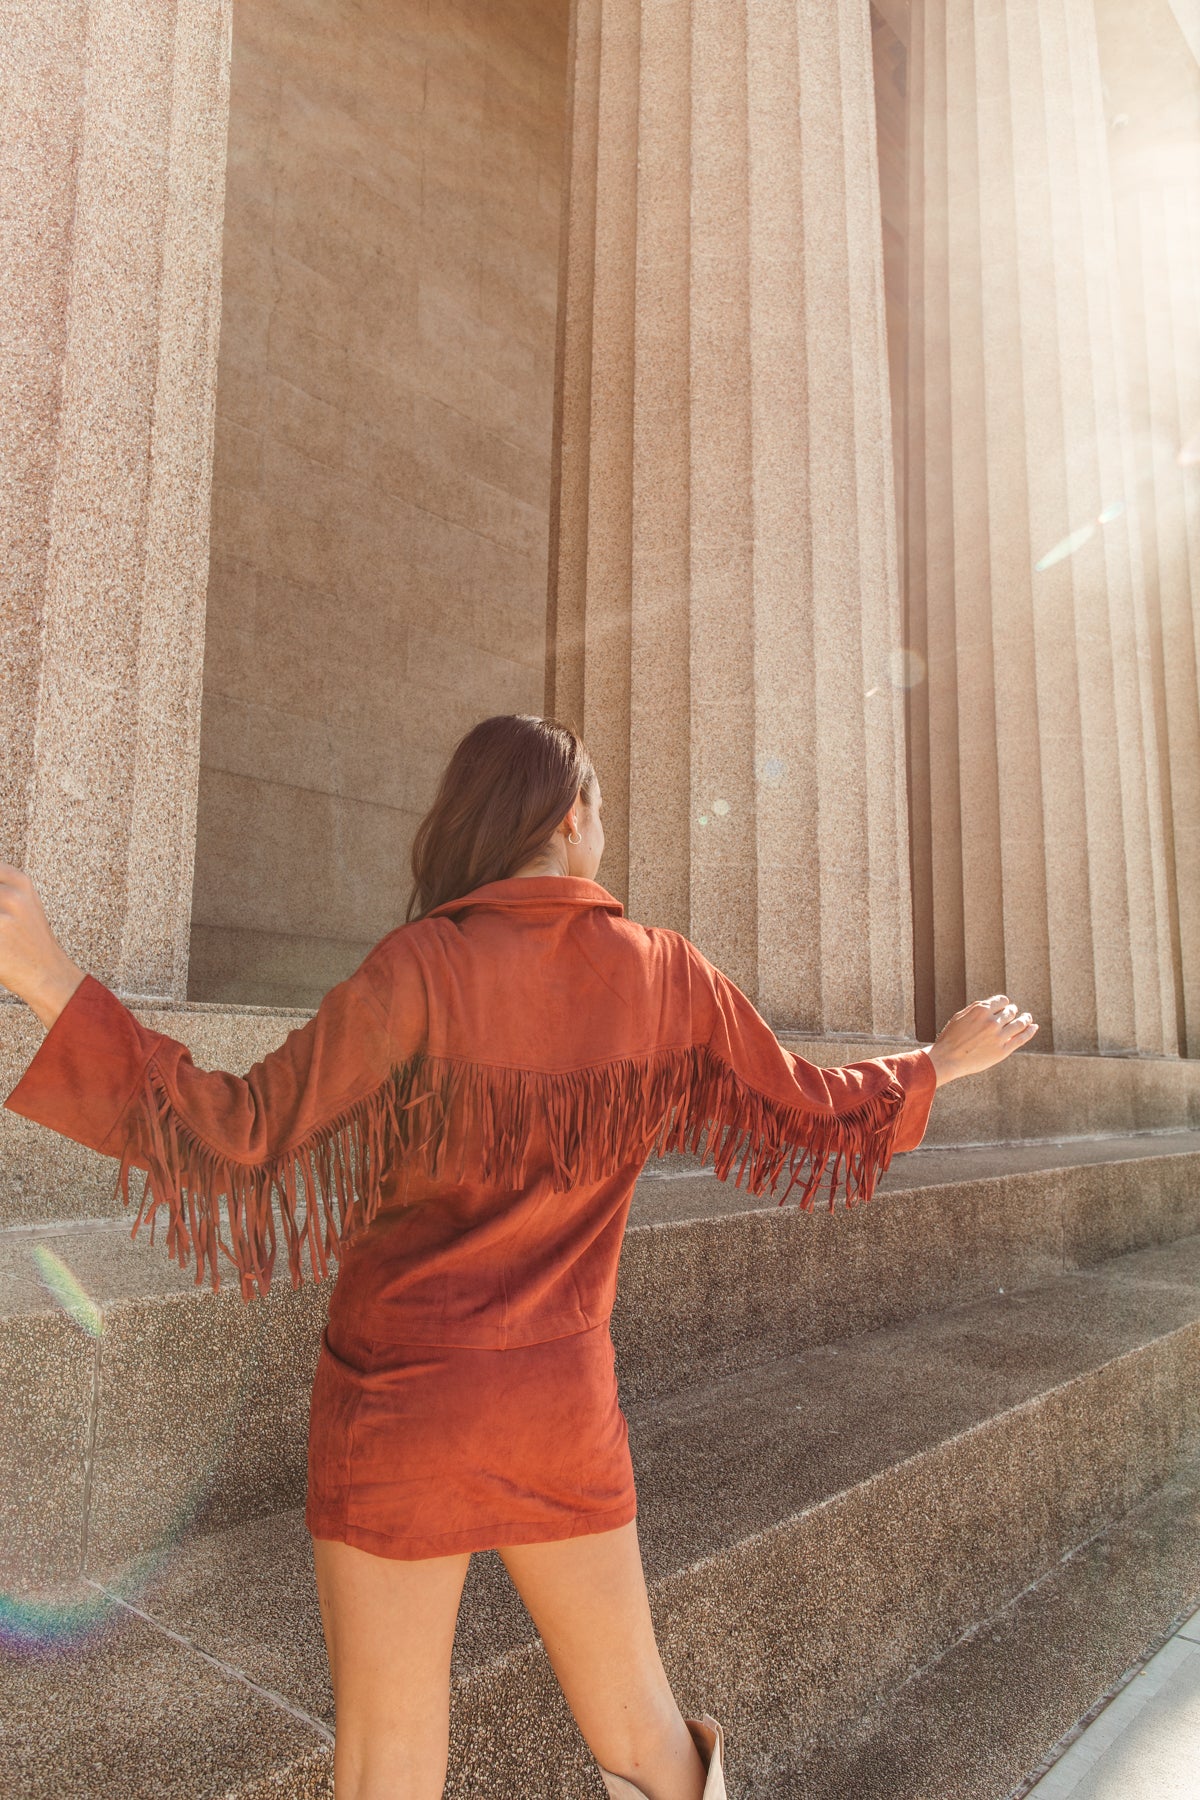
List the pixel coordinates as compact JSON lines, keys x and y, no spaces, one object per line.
{"x":382,"y":468}
{"x":111,"y":192}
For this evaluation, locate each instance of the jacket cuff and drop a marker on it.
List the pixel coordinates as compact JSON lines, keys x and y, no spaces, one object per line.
{"x":916,"y":1074}
{"x":87,"y":1069}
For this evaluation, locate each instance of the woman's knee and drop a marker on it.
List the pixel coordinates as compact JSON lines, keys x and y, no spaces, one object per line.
{"x":588,"y":1599}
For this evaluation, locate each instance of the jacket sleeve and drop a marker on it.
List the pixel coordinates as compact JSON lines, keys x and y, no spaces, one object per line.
{"x":310,"y":1126}
{"x":760,"y":1109}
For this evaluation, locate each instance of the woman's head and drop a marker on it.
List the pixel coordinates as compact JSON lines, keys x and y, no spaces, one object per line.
{"x":515,"y":791}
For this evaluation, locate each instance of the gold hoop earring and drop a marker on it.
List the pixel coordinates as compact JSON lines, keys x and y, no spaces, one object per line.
{"x":574,"y":837}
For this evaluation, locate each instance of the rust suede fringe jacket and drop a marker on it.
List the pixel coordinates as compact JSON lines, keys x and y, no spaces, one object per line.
{"x":460,"y":1126}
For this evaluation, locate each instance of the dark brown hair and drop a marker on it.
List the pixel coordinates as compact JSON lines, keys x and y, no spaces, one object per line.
{"x":505,"y":788}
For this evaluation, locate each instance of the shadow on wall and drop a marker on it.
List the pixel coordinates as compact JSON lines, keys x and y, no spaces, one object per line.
{"x":382,"y":469}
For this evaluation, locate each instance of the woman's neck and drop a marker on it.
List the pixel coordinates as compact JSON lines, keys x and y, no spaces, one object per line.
{"x":544,"y":866}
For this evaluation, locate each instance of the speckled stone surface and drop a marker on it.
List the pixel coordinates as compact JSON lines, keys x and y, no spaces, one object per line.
{"x":382,"y":466}
{"x":966,"y":1727}
{"x":201,"y":1403}
{"x":166,"y":1410}
{"x":1039,"y":850}
{"x":48,"y":1370}
{"x":699,"y":1284}
{"x":1037,"y":1093}
{"x":113,"y":193}
{"x":675,"y":1187}
{"x":1150,"y":69}
{"x":202,"y":1415}
{"x":830,"y":1417}
{"x":979,"y":1719}
{"x":1033,"y":1094}
{"x":117,"y":1710}
{"x":815,"y":1532}
{"x":306,"y":1778}
{"x":109,"y":1265}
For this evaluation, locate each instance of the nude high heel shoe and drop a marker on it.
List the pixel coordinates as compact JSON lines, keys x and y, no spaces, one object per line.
{"x":710,"y":1742}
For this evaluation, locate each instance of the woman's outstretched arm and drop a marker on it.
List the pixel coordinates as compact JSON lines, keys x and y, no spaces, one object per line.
{"x":217,"y":1148}
{"x":763,"y":1113}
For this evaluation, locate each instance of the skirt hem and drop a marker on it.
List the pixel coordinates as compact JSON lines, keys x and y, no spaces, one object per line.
{"x":455,"y":1543}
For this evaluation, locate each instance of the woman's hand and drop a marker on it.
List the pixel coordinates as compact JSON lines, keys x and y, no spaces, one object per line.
{"x":33,"y":964}
{"x":981,"y":1034}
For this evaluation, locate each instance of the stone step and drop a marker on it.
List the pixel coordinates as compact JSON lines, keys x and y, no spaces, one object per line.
{"x":1031,"y":1098}
{"x":136,"y":1406}
{"x":818,"y":1531}
{"x":981,"y":1719}
{"x":711,"y":1275}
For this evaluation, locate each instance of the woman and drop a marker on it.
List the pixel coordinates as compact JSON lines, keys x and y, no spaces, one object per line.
{"x":461,"y":1125}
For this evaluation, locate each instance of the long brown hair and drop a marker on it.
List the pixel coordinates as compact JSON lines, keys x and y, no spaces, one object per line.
{"x":507,"y":785}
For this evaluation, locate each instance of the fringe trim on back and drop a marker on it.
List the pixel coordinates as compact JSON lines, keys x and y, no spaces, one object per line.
{"x":595,"y":1121}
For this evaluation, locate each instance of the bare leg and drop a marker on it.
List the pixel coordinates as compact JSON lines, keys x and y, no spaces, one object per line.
{"x":389,"y":1627}
{"x":587,"y":1597}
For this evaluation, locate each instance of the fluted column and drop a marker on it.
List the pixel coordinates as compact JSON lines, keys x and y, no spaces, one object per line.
{"x":1038,"y":843}
{"x":1155,"y":142}
{"x":113,"y":178}
{"x":725,"y":605}
{"x":1163,"y":270}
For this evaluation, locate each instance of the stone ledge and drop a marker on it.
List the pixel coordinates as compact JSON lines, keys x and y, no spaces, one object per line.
{"x":1037,"y":1097}
{"x":1028,"y":1099}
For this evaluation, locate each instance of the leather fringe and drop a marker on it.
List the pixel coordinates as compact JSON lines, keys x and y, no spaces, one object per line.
{"x":595,"y":1121}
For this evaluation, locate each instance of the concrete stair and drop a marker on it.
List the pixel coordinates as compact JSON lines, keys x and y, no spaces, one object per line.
{"x":866,"y":1442}
{"x":819,"y":1530}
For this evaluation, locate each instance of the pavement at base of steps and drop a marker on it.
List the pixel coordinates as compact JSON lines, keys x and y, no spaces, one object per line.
{"x":1145,"y":1744}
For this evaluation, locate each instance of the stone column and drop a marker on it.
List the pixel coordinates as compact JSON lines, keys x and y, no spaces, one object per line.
{"x":1151,"y":64}
{"x":1038,"y":840}
{"x":725,"y":612}
{"x":113,"y":178}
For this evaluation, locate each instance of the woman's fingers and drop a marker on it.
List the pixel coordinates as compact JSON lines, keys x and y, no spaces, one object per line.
{"x":1017,"y":1032}
{"x":1006,"y":1013}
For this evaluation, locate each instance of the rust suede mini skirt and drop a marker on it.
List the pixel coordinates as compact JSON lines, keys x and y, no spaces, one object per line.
{"x":419,"y":1449}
